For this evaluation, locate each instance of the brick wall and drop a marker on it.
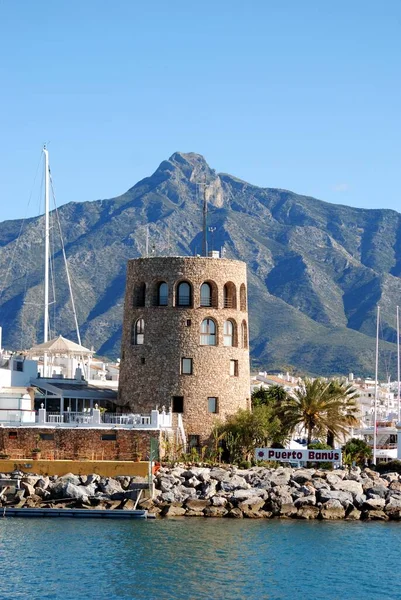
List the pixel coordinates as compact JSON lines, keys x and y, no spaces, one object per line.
{"x":79,"y":442}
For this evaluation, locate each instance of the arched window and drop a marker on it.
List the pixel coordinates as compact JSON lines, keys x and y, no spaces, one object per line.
{"x":139,"y":294}
{"x":208,"y":333}
{"x":230,"y":295}
{"x":244,"y":334}
{"x":228,"y":333}
{"x":206,"y":294}
{"x":162,"y":294}
{"x":138,"y":332}
{"x":242,"y":297}
{"x":184,"y":295}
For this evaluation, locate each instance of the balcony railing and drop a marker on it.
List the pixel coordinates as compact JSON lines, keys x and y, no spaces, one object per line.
{"x":89,"y":418}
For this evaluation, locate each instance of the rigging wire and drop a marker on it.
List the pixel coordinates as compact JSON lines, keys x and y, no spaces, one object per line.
{"x":52,"y":278}
{"x":65,"y":262}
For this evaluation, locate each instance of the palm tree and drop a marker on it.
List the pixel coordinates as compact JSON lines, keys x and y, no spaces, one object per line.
{"x":357,"y":451}
{"x":322,"y":408}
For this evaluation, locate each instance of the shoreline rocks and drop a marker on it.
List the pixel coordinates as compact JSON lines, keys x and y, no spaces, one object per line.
{"x":216,"y":492}
{"x":284,"y":492}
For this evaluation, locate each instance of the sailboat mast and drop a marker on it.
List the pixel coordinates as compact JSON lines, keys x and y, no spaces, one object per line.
{"x":47,"y":246}
{"x":398,"y":364}
{"x":376,"y":387}
{"x":204,"y":245}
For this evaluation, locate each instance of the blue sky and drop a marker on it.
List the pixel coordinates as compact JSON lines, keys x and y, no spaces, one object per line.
{"x":303,"y":95}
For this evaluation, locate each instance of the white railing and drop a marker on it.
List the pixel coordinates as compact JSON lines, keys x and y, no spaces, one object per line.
{"x":17,"y":416}
{"x":89,"y":418}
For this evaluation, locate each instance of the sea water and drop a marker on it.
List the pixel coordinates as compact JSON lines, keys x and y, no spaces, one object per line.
{"x":192,"y":558}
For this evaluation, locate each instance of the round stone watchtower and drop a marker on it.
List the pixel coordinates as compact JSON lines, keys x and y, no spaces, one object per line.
{"x":185,"y":339}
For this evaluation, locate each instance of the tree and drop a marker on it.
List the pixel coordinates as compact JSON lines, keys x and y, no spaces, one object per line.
{"x":321,"y":408}
{"x":357,"y":451}
{"x":348,"y":414}
{"x":272,"y":396}
{"x":245,"y":430}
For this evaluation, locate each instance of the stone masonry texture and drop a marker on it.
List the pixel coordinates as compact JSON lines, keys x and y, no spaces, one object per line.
{"x":73,"y":443}
{"x":150,"y":373}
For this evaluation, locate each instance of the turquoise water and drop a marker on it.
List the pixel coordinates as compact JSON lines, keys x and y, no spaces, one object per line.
{"x":199,"y":559}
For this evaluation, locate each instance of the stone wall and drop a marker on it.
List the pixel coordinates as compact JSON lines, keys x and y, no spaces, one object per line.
{"x":150,"y":373}
{"x":78,"y":442}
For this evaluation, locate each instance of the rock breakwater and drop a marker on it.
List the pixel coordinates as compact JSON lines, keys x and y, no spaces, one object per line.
{"x":71,"y":491}
{"x":260,"y":492}
{"x":193,"y":491}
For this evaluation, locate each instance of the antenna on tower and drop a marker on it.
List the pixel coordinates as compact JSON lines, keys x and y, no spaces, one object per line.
{"x":204,"y":246}
{"x":147,"y":242}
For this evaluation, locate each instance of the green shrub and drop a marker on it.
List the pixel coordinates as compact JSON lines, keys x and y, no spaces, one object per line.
{"x":394,"y":466}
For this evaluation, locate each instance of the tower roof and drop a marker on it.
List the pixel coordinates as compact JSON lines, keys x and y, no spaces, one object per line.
{"x":60,"y":345}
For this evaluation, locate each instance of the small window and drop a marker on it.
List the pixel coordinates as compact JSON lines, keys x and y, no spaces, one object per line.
{"x":230,"y":295}
{"x":208,"y":333}
{"x":142,"y":360}
{"x":178,"y":404}
{"x":139,"y":294}
{"x":212,"y":405}
{"x":47,"y":436}
{"x":242,"y":297}
{"x":206,"y":294}
{"x":18,"y":365}
{"x":184,"y":294}
{"x":162,"y":294}
{"x":138,"y":332}
{"x":233,"y":368}
{"x":228,"y":338}
{"x":109,"y":437}
{"x":12,"y":435}
{"x":189,"y":322}
{"x":244,"y":333}
{"x":186,"y":366}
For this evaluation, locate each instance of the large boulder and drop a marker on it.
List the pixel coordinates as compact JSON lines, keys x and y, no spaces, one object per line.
{"x":395,"y":485}
{"x":305,"y":501}
{"x":241,"y":495}
{"x":353,"y":514}
{"x":374,"y":504}
{"x":208,"y":489}
{"x":281,"y":476}
{"x":31,"y":479}
{"x":303,"y":475}
{"x":307,"y":512}
{"x":234,"y":483}
{"x":42,"y":483}
{"x":218,"y":501}
{"x":220,"y":474}
{"x":377,"y":491}
{"x":332,"y":509}
{"x":109,"y":486}
{"x":344,"y":497}
{"x":347,"y":485}
{"x":173,"y":510}
{"x":76,"y":492}
{"x":393,"y":502}
{"x":28,"y":488}
{"x":70,"y":478}
{"x":215,"y":511}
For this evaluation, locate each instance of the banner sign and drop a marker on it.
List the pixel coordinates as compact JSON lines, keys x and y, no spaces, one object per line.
{"x":288,"y":455}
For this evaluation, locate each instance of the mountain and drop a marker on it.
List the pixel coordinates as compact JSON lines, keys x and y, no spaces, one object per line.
{"x":316,"y":270}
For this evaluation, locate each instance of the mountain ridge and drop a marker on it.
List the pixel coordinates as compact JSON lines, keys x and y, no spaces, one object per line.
{"x":316,"y":270}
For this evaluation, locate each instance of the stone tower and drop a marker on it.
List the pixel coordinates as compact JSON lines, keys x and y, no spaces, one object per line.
{"x":185,"y":339}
